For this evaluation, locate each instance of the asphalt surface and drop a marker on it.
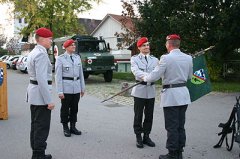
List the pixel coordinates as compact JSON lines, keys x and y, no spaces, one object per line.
{"x":107,"y":127}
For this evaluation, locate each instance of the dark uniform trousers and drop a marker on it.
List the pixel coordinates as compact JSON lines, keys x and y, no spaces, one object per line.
{"x":40,"y":125}
{"x":140,"y":105}
{"x":69,"y":108}
{"x":174,"y":124}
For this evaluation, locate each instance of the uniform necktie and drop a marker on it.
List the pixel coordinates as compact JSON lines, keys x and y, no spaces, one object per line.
{"x":146,"y":58}
{"x":71,"y":58}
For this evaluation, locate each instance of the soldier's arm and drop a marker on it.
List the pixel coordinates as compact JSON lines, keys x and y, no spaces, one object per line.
{"x":58,"y":75}
{"x":138,"y":73}
{"x":41,"y":67}
{"x":158,"y":71}
{"x":82,"y":81}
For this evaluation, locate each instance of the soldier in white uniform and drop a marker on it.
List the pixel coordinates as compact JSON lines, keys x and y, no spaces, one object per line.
{"x":175,"y":68}
{"x":144,"y":94}
{"x":70,"y":86}
{"x":39,"y":93}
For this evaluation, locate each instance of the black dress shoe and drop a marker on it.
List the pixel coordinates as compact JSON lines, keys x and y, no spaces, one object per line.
{"x":74,"y":130}
{"x":66,"y":130}
{"x":139,"y":144}
{"x":170,"y":155}
{"x":139,"y":141}
{"x":148,"y":141}
{"x":48,"y":156}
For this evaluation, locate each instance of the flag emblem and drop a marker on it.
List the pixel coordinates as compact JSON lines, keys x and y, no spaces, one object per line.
{"x":198,"y":77}
{"x":1,"y":76}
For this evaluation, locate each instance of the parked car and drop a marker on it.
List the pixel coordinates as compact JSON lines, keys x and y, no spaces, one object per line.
{"x":2,"y":58}
{"x":14,"y":64}
{"x":10,"y":60}
{"x":22,"y":64}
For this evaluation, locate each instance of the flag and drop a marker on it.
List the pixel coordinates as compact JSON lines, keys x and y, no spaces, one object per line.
{"x":1,"y":76}
{"x":200,"y":84}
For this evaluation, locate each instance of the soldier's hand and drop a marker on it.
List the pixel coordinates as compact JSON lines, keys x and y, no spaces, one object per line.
{"x":82,"y":94}
{"x":61,"y":96}
{"x":51,"y":106}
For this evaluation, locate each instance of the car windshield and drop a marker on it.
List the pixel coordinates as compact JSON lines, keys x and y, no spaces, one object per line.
{"x":94,"y":46}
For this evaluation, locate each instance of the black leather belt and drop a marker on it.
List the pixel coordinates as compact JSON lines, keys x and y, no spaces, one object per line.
{"x":174,"y":85}
{"x":145,"y":83}
{"x":71,"y":78}
{"x":36,"y":82}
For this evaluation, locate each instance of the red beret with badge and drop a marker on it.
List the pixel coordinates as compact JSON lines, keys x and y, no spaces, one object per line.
{"x":68,"y":43}
{"x":142,"y":41}
{"x":44,"y":32}
{"x":173,"y":37}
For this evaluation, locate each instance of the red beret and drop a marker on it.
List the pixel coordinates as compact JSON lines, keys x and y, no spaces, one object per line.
{"x":68,"y":43}
{"x":173,"y":37}
{"x":44,"y":32}
{"x":142,"y":41}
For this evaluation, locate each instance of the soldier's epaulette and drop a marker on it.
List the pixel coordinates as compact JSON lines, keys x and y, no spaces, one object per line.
{"x":76,"y":55}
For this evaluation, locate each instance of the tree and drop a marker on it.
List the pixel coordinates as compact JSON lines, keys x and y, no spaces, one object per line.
{"x":3,"y":40}
{"x":200,"y":23}
{"x":13,"y":46}
{"x":58,"y":15}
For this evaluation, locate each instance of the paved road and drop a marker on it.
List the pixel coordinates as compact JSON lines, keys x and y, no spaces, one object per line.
{"x":107,"y":128}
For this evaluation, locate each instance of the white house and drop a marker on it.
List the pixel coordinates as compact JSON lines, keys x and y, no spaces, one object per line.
{"x":107,"y":29}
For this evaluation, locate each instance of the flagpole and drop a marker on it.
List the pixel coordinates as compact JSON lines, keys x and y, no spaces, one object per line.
{"x":202,"y":52}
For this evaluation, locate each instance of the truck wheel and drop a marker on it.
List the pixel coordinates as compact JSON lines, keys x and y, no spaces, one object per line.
{"x":86,"y":75}
{"x":108,"y":75}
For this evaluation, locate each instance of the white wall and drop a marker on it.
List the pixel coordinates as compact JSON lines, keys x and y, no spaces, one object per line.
{"x":6,"y":20}
{"x":107,"y":31}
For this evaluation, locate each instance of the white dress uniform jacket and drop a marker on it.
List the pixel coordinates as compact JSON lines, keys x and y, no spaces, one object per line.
{"x":65,"y":67}
{"x":39,"y":69}
{"x":140,"y":67}
{"x":175,"y":67}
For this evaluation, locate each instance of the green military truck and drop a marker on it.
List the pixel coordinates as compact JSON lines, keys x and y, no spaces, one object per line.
{"x":94,"y":53}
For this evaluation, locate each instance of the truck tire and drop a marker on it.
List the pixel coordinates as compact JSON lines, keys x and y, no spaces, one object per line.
{"x":108,"y":75}
{"x":86,"y":75}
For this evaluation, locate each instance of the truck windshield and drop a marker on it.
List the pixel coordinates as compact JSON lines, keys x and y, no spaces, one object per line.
{"x":88,"y":46}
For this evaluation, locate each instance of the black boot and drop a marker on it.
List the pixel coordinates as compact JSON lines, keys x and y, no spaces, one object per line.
{"x":170,"y":155}
{"x":148,"y":141}
{"x":139,"y":141}
{"x":66,"y":130}
{"x":74,"y":130}
{"x":180,"y":151}
{"x":40,"y":155}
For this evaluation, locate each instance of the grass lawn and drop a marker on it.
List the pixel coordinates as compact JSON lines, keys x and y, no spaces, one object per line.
{"x":216,"y":86}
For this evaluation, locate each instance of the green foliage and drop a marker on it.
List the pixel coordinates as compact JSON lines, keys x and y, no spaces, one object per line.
{"x":215,"y":70}
{"x":3,"y":52}
{"x":220,"y":86}
{"x":200,"y":23}
{"x":58,"y":15}
{"x":226,"y":86}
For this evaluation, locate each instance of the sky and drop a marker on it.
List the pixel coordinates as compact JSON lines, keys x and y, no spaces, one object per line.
{"x":100,"y":10}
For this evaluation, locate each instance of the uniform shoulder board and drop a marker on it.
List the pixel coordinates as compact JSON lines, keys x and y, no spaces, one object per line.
{"x":76,"y":55}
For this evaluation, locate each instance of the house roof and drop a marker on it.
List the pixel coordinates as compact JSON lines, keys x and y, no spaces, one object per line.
{"x":89,"y":24}
{"x":118,"y":18}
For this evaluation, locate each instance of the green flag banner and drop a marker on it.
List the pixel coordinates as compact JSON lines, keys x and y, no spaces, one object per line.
{"x":200,"y":84}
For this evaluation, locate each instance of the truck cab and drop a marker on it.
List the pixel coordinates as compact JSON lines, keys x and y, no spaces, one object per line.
{"x":94,"y":53}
